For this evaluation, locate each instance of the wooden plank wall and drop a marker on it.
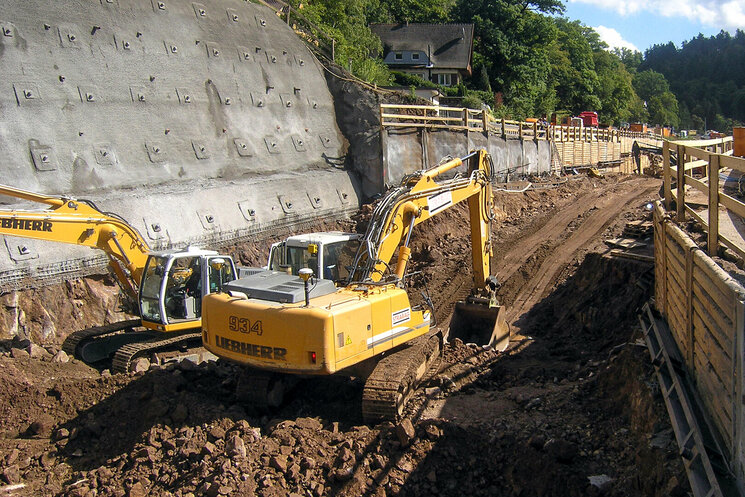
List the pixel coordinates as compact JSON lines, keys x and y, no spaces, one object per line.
{"x":704,"y":308}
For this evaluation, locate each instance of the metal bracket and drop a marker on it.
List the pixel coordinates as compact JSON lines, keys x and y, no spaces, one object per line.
{"x":271,"y":57}
{"x":43,"y":156}
{"x":184,"y":96}
{"x":233,"y":15}
{"x":245,"y":54}
{"x":200,"y":150}
{"x":155,"y":152}
{"x":68,"y":37}
{"x":257,"y":99}
{"x":325,"y":141}
{"x":171,"y":48}
{"x":160,"y":6}
{"x":200,"y":10}
{"x":7,"y":29}
{"x":139,"y":93}
{"x":299,"y":143}
{"x":208,"y":219}
{"x":154,"y":229}
{"x":89,"y":94}
{"x":287,"y":101}
{"x":243,"y":147}
{"x":260,"y":22}
{"x":26,"y":93}
{"x":287,"y":206}
{"x":213,"y":50}
{"x":271,"y":145}
{"x":104,"y":155}
{"x":313,"y":103}
{"x":20,"y":252}
{"x":343,"y":196}
{"x":300,"y":61}
{"x":315,"y":200}
{"x":247,"y":209}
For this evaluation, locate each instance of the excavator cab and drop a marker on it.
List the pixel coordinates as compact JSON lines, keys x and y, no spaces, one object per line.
{"x":174,"y":283}
{"x":330,"y":255}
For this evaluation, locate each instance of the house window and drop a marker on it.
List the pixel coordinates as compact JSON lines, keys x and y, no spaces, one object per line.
{"x":398,"y":56}
{"x":415,"y":56}
{"x":444,"y":79}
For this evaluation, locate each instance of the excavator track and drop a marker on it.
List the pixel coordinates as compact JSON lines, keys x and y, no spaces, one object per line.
{"x":124,"y":356}
{"x":76,"y":339}
{"x":396,"y":377}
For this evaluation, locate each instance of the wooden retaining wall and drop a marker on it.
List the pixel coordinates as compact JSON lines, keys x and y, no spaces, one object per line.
{"x":705,"y":310}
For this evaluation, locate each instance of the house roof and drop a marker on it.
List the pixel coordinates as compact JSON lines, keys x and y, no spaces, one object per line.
{"x":449,"y":45}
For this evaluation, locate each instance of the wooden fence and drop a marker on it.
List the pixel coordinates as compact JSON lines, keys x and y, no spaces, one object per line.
{"x":705,"y":311}
{"x":702,"y":304}
{"x":463,"y":118}
{"x":702,"y":161}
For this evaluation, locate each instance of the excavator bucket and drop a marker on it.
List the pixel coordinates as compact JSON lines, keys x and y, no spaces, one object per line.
{"x":474,"y":321}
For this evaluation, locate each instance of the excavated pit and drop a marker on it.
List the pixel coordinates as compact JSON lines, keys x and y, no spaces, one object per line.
{"x":572,"y":409}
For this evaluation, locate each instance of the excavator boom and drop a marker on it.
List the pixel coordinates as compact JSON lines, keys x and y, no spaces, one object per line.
{"x":80,"y":223}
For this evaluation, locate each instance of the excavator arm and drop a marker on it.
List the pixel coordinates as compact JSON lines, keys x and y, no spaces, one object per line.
{"x":80,"y":222}
{"x":417,"y":199}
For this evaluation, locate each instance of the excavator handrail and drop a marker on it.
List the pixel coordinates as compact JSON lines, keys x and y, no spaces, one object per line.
{"x":386,"y":228}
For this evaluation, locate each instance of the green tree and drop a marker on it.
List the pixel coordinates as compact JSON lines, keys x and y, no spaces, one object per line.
{"x":614,"y":89}
{"x":573,"y":68}
{"x":663,"y":109}
{"x":650,"y":83}
{"x":513,"y":37}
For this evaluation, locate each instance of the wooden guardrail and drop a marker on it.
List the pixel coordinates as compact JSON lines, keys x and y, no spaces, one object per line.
{"x":701,"y":162}
{"x":705,"y":311}
{"x":463,"y":118}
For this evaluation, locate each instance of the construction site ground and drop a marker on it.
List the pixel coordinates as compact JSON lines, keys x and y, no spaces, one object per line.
{"x":570,"y":409}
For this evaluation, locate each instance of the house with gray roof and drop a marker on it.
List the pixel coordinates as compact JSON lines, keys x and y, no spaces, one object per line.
{"x":440,"y":53}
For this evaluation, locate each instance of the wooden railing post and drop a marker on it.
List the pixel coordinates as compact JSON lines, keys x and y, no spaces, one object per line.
{"x":520,"y":127}
{"x":680,"y":200}
{"x":465,"y":117}
{"x":485,"y":120}
{"x":713,"y":234}
{"x":504,"y":129}
{"x":535,"y":131}
{"x":667,"y":175}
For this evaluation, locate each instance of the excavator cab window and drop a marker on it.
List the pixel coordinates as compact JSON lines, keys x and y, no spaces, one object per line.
{"x":299,"y":257}
{"x":227,"y":274}
{"x":338,"y":258}
{"x":152,"y":281}
{"x":183,"y":292}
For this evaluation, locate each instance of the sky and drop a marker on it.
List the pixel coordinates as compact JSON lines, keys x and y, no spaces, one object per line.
{"x":639,"y":24}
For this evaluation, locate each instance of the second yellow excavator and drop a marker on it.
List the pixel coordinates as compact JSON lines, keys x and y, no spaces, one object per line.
{"x":287,"y":324}
{"x":166,"y":287}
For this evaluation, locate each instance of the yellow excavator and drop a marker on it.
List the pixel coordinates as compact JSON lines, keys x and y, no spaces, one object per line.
{"x":166,"y":287}
{"x":288,"y":324}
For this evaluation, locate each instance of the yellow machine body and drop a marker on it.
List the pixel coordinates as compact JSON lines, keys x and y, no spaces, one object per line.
{"x":336,"y":331}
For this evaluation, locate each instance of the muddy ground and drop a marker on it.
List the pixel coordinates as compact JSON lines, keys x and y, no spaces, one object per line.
{"x":571,"y":409}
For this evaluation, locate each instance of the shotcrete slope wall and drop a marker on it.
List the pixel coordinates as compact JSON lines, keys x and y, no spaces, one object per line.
{"x":199,"y":122}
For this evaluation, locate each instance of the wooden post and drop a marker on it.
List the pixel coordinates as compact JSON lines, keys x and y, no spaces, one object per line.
{"x":535,"y":131}
{"x":485,"y":120}
{"x":520,"y":127}
{"x":689,"y":307}
{"x":333,"y":49}
{"x":465,"y":117}
{"x":504,"y":129}
{"x":681,"y":200}
{"x":713,"y":234}
{"x":667,"y":175}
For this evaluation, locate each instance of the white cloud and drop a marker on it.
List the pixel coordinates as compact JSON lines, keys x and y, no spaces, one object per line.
{"x":613,"y":38}
{"x":725,"y":14}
